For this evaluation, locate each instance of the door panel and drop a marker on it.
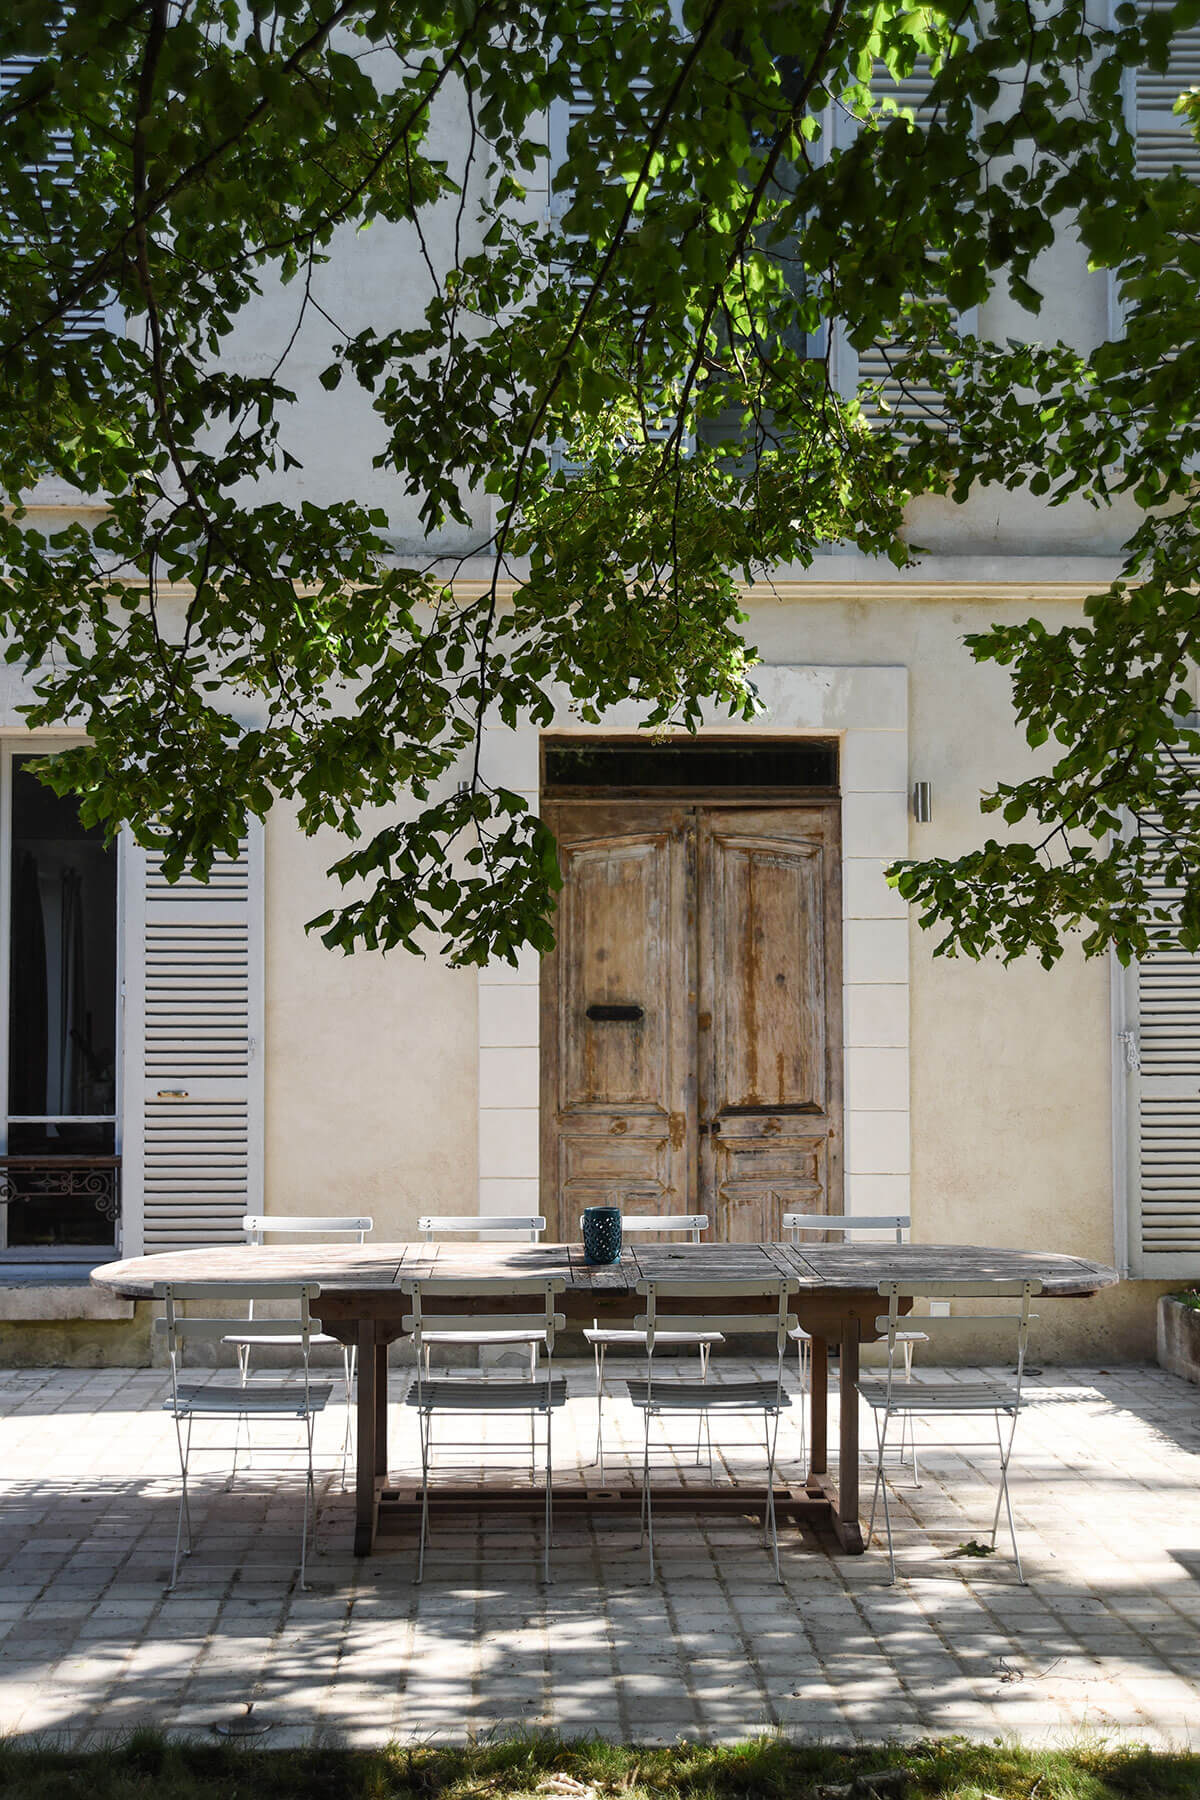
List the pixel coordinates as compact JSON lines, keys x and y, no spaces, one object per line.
{"x":616,"y":1017}
{"x":769,"y":1037}
{"x":691,"y":1015}
{"x":766,"y":947}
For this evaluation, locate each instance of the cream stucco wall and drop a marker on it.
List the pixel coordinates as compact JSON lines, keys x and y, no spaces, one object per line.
{"x":371,"y":1062}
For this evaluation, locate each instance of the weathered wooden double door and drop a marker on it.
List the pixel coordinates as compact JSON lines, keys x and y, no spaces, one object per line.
{"x":691,"y":1014}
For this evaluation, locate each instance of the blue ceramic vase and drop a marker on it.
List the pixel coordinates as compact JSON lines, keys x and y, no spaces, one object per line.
{"x":602,"y":1234}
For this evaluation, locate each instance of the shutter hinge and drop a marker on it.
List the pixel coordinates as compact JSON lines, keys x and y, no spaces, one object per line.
{"x":1129,"y":1043}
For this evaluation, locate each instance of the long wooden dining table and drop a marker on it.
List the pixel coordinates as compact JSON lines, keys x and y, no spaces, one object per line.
{"x":361,"y":1302}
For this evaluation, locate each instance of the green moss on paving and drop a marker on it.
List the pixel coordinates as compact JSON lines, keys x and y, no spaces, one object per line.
{"x":148,"y":1767}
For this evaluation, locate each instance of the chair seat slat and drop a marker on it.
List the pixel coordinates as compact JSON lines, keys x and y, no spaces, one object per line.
{"x":615,"y":1337}
{"x":254,"y":1400}
{"x":441,"y":1393}
{"x":702,"y":1396}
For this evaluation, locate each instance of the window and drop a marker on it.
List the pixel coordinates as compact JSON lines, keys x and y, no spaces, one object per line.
{"x":696,"y":765}
{"x":1163,"y":138}
{"x":62,"y":999}
{"x":894,"y":398}
{"x":85,"y":319}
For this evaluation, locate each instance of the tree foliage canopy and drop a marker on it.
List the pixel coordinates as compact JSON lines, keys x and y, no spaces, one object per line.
{"x":644,"y":391}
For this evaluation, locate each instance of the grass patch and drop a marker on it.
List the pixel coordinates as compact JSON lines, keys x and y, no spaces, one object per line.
{"x":148,"y":1767}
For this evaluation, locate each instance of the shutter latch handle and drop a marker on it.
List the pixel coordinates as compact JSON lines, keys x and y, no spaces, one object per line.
{"x":1133,"y":1058}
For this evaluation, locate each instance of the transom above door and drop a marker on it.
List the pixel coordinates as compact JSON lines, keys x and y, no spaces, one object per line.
{"x":691,"y":1012}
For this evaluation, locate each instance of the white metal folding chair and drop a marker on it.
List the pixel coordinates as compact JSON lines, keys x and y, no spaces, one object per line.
{"x":531,"y":1227}
{"x":190,"y":1401}
{"x":889,"y":1397}
{"x":659,"y":1399}
{"x":605,"y":1338}
{"x":539,"y":1396}
{"x":257,"y":1226}
{"x":795,"y":1224}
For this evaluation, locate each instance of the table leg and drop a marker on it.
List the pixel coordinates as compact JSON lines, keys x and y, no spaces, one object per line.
{"x":818,"y":1399}
{"x":381,"y":1406}
{"x":364,"y":1481}
{"x":846,"y":1520}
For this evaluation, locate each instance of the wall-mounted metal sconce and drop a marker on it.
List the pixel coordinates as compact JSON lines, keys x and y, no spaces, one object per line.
{"x":463,"y":791}
{"x":922,"y":802}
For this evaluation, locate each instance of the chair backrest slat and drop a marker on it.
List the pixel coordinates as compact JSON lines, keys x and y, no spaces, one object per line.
{"x":433,"y":1225}
{"x":770,"y":1314}
{"x":259,"y":1225}
{"x":237,"y":1290}
{"x":466,"y":1287}
{"x":192,"y":1326}
{"x":671,"y":1288}
{"x":728,"y":1324}
{"x":182,"y":1328}
{"x":505,"y":1321}
{"x":960,"y":1290}
{"x":944,"y":1326}
{"x":684,"y":1224}
{"x":898,"y":1223}
{"x":420,"y":1289}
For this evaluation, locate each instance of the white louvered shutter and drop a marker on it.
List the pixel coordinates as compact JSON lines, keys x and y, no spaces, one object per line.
{"x":893,"y":401}
{"x":193,"y":1109}
{"x":78,"y":321}
{"x":1164,"y":140}
{"x":1158,"y":1053}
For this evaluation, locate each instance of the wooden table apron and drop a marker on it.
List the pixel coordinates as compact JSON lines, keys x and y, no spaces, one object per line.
{"x":362,"y":1303}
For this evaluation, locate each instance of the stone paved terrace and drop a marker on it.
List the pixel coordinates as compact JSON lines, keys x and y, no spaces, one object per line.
{"x":1103,"y":1640}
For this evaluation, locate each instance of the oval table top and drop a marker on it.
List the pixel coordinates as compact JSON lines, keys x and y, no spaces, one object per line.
{"x":844,"y":1268}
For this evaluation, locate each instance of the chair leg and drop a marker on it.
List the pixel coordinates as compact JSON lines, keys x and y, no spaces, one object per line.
{"x":878,"y":1477}
{"x":880,"y":1488}
{"x":647,"y":1505}
{"x":185,"y":1511}
{"x":1005,"y":1454}
{"x":348,"y":1354}
{"x":426,"y":1427}
{"x":700,"y":1416}
{"x":549,"y":1490}
{"x":310,"y":1504}
{"x":231,"y":1478}
{"x":598,"y":1350}
{"x":887,"y":1511}
{"x":532,"y":1448}
{"x":908,"y":1422}
{"x":771,"y":1432}
{"x":803,"y":1378}
{"x":705,"y":1426}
